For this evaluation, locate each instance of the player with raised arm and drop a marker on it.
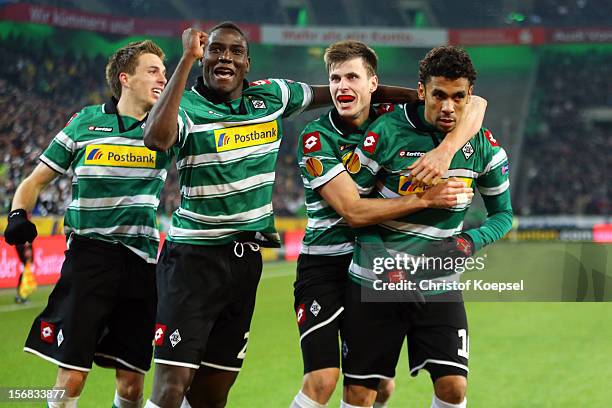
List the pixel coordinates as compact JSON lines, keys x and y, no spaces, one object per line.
{"x":436,"y":331}
{"x":327,"y":159}
{"x":102,"y":309}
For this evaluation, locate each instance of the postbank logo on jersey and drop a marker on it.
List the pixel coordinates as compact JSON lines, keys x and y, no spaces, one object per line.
{"x":120,"y":156}
{"x":406,"y":186}
{"x":246,"y":136}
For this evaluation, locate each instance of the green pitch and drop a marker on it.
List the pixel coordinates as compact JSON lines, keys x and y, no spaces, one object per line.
{"x":522,"y":354}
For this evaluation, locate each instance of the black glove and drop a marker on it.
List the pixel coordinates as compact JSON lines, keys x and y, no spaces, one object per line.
{"x":19,"y":229}
{"x":458,"y":246}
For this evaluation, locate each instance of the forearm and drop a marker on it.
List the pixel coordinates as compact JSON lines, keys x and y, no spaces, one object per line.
{"x":161,"y":130}
{"x":26,"y":195}
{"x":497,"y":224}
{"x":369,"y":211}
{"x":394,"y":94}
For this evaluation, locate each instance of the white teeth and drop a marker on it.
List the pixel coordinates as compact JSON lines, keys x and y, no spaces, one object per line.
{"x":157,"y":91}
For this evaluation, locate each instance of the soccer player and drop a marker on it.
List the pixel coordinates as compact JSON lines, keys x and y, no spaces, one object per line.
{"x":437,"y":330}
{"x":102,"y":308}
{"x":327,"y":160}
{"x":226,"y":134}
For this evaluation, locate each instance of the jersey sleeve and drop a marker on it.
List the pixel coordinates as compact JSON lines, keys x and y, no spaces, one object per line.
{"x":371,"y":155}
{"x":184,"y":127}
{"x":296,"y":96}
{"x":316,"y":158}
{"x":494,"y":187}
{"x":61,"y":151}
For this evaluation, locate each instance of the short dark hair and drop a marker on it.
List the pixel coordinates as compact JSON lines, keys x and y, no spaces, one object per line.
{"x":345,"y":50}
{"x":125,"y":59}
{"x":449,"y":62}
{"x":230,"y":25}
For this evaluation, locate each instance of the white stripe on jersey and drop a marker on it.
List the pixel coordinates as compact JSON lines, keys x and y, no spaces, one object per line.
{"x":120,"y":201}
{"x":115,"y":140}
{"x":317,"y":205}
{"x":336,"y":249}
{"x":127,"y":230}
{"x":367,"y":162}
{"x":119,"y":172}
{"x":421,"y":230}
{"x":491,"y":191}
{"x":176,"y":232}
{"x":319,"y":181}
{"x":52,"y":164}
{"x":316,"y":223}
{"x":221,"y":190}
{"x":65,"y":141}
{"x":497,"y":159}
{"x":247,"y":216}
{"x":209,"y":159}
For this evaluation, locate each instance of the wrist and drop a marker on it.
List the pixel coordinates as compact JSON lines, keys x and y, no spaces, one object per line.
{"x":19,"y":212}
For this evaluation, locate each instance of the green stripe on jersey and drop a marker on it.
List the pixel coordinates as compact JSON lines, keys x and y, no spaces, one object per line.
{"x":226,"y":162}
{"x":117,"y":181}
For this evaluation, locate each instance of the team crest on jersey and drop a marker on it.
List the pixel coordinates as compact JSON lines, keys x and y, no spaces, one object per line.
{"x":311,"y":142}
{"x":351,"y":162}
{"x":258,"y":104}
{"x":300,"y":313}
{"x":490,"y":138}
{"x":246,"y":136}
{"x":159,"y":334}
{"x":467,"y":150}
{"x":370,"y":142}
{"x":100,"y":129}
{"x":47,"y":332}
{"x":314,"y":167}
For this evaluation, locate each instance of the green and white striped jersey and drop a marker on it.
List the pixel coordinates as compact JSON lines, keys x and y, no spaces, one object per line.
{"x":395,"y":141}
{"x":117,"y":180}
{"x":325,"y":149}
{"x":226,"y":158}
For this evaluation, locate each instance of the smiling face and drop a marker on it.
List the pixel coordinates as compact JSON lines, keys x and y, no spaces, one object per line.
{"x":351,"y":89}
{"x":146,"y":84}
{"x":445,"y":101}
{"x":226,"y":63}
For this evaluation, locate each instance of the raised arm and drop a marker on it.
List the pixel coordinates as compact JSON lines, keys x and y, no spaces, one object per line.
{"x":19,"y":229}
{"x":161,"y":131}
{"x":431,"y":167}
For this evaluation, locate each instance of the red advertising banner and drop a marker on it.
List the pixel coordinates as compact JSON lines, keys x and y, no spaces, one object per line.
{"x":602,"y":233}
{"x":79,"y":20}
{"x":48,"y":259}
{"x":293,"y":244}
{"x":580,"y":35}
{"x":497,"y":36}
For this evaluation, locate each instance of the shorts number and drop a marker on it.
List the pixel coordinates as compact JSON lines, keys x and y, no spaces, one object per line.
{"x":464,"y":351}
{"x":242,"y":353}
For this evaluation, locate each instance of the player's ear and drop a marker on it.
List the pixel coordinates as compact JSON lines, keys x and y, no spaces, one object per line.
{"x":421,"y":91}
{"x":469,"y":93}
{"x":373,"y":83}
{"x":248,"y":65}
{"x":123,"y":78}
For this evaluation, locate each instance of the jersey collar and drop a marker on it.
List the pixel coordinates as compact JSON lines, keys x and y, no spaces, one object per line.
{"x":110,"y":108}
{"x":342,"y":129}
{"x":201,"y":89}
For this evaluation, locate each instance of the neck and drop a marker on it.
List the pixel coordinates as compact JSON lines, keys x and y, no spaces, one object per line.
{"x":356,"y":121}
{"x":127,"y":107}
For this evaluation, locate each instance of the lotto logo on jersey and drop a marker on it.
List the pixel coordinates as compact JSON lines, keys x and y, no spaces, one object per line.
{"x":490,"y":138}
{"x":301,"y":314}
{"x":246,"y":136}
{"x":119,"y":156}
{"x":311,"y":142}
{"x":385,"y":108}
{"x":47,"y":332}
{"x":370,"y":142}
{"x":160,"y":333}
{"x":260,"y":82}
{"x":351,"y":162}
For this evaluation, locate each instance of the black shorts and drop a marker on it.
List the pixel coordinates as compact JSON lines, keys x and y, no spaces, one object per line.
{"x":206,"y":302}
{"x":102,"y":309}
{"x":373,"y":334}
{"x":319,"y":302}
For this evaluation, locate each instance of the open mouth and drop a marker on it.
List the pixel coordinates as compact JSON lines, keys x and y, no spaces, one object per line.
{"x":223,"y":73}
{"x":345,"y":99}
{"x":446,"y":122}
{"x":157,"y":91}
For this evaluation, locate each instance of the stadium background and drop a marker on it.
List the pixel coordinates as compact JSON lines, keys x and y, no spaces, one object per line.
{"x":543,"y":65}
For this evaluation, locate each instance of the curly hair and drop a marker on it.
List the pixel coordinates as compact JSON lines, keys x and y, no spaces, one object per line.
{"x":230,"y":25}
{"x":342,"y":51}
{"x":448,"y":62}
{"x":125,"y":59}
